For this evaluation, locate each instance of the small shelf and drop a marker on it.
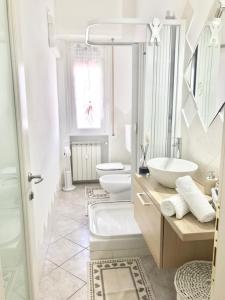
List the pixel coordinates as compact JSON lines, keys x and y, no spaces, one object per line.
{"x":188,"y":228}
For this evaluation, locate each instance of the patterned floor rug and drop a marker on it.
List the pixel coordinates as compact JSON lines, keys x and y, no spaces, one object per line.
{"x":95,"y":194}
{"x":118,"y":279}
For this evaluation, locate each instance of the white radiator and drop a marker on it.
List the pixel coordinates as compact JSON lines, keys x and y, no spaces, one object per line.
{"x":85,"y":157}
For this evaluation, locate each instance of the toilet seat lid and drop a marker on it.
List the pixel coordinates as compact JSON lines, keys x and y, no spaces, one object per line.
{"x":110,"y":166}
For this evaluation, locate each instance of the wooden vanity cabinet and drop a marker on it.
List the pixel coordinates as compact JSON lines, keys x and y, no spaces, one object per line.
{"x":166,"y":246}
{"x":150,"y":222}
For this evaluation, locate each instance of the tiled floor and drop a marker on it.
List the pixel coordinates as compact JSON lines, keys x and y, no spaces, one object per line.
{"x":64,"y":275}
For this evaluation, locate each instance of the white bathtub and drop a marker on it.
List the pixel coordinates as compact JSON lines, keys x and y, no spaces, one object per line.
{"x":114,"y":231}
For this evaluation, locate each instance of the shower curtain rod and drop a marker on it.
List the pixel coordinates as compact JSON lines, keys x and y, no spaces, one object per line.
{"x":131,"y":21}
{"x":82,"y":38}
{"x":123,"y":21}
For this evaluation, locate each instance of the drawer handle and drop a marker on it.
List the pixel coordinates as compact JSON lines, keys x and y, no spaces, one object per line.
{"x":144,"y":202}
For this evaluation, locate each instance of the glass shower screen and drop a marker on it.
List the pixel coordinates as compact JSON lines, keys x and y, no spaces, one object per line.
{"x":161,"y":97}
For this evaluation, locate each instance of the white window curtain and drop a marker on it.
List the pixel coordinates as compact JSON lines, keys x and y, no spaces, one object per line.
{"x":87,"y":88}
{"x":87,"y":77}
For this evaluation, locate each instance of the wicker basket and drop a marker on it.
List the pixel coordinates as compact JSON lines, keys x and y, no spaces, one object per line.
{"x":193,"y":281}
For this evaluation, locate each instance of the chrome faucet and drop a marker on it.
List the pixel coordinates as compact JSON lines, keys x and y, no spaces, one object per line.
{"x":178,"y":145}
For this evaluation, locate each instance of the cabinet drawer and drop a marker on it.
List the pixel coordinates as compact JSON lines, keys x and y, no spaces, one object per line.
{"x":150,"y":222}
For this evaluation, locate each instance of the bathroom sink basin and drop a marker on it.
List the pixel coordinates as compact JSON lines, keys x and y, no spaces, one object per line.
{"x":166,"y":170}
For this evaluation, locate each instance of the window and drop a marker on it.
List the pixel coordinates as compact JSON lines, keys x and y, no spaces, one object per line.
{"x":88,"y":82}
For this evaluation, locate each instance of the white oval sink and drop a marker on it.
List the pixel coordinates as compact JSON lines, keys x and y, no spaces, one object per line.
{"x":166,"y":170}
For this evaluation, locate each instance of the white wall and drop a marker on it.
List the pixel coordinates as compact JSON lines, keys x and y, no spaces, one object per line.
{"x":198,"y":145}
{"x":40,"y":72}
{"x":72,"y":16}
{"x":129,"y":8}
{"x":156,"y":8}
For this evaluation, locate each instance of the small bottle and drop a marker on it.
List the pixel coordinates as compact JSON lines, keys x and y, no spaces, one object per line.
{"x":210,"y":182}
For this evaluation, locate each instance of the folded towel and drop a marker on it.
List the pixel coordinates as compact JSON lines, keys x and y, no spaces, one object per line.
{"x":174,"y":205}
{"x":195,"y":199}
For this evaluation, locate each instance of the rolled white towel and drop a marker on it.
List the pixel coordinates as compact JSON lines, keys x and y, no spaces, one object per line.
{"x":174,"y":205}
{"x":195,"y":199}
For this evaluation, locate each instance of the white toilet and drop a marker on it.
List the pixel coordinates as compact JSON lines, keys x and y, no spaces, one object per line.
{"x":115,"y":178}
{"x":117,"y":185}
{"x":112,"y":168}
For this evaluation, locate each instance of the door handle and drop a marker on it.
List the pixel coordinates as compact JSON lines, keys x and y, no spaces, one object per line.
{"x":32,"y":177}
{"x":144,"y":202}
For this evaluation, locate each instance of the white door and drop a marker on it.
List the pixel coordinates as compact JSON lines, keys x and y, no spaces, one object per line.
{"x":18,"y":272}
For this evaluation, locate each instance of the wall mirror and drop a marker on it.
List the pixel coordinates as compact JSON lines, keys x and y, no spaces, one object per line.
{"x":203,"y":74}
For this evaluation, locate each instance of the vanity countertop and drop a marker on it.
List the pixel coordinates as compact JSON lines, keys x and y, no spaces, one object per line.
{"x":188,"y":228}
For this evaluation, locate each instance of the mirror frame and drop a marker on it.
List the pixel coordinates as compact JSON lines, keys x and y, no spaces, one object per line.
{"x":219,"y":110}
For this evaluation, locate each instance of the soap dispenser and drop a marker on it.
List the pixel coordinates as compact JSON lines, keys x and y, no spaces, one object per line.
{"x":210,"y":182}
